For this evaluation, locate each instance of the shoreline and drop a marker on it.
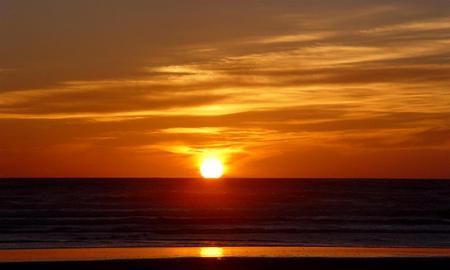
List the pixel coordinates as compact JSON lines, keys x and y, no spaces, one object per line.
{"x":170,"y":253}
{"x":312,"y":263}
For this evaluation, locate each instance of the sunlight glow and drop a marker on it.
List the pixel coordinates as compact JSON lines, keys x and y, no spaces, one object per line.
{"x":211,"y":168}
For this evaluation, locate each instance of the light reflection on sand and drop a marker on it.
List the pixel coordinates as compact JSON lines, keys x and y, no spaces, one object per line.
{"x":214,"y":252}
{"x":87,"y":254}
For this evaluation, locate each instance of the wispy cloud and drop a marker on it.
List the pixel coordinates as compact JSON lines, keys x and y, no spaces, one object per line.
{"x":415,"y":26}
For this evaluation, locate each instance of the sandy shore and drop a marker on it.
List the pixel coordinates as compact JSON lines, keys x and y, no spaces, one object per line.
{"x":101,"y":254}
{"x":226,"y":258}
{"x":242,"y":263}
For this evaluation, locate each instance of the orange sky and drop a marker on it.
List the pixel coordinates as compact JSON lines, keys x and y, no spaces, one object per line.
{"x":275,"y":88}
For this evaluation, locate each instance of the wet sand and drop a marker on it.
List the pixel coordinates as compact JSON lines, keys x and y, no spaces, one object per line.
{"x":226,"y":258}
{"x":242,"y":263}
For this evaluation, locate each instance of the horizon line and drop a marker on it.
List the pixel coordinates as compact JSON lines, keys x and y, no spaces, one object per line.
{"x":223,"y":178}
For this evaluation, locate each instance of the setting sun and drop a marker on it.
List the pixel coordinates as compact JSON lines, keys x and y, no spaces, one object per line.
{"x":211,"y":168}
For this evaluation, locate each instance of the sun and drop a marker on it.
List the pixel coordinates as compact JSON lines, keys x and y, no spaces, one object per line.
{"x":211,"y":168}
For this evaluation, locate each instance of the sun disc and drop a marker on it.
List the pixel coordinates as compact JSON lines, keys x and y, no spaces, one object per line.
{"x":211,"y":168}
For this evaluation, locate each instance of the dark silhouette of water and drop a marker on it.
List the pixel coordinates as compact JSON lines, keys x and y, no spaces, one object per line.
{"x":194,"y":212}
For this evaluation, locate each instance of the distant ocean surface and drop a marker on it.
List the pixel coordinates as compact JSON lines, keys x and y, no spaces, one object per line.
{"x":255,"y":212}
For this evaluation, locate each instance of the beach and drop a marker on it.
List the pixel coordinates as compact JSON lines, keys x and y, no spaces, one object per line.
{"x":231,"y":224}
{"x":226,"y":258}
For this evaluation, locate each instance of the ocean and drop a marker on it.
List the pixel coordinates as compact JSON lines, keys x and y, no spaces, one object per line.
{"x":54,"y":213}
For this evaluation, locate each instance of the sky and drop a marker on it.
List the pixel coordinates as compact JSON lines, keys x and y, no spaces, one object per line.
{"x":273,"y":88}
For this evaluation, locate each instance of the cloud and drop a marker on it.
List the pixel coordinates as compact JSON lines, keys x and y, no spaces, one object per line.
{"x":416,"y":26}
{"x":172,"y":80}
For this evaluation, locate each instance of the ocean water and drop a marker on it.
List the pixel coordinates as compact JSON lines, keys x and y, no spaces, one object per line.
{"x":252,"y":212}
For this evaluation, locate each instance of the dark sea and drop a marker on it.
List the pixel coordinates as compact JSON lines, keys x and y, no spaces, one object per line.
{"x":251,"y":212}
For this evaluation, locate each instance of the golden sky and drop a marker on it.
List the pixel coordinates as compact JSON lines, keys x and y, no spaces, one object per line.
{"x":274,"y":88}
